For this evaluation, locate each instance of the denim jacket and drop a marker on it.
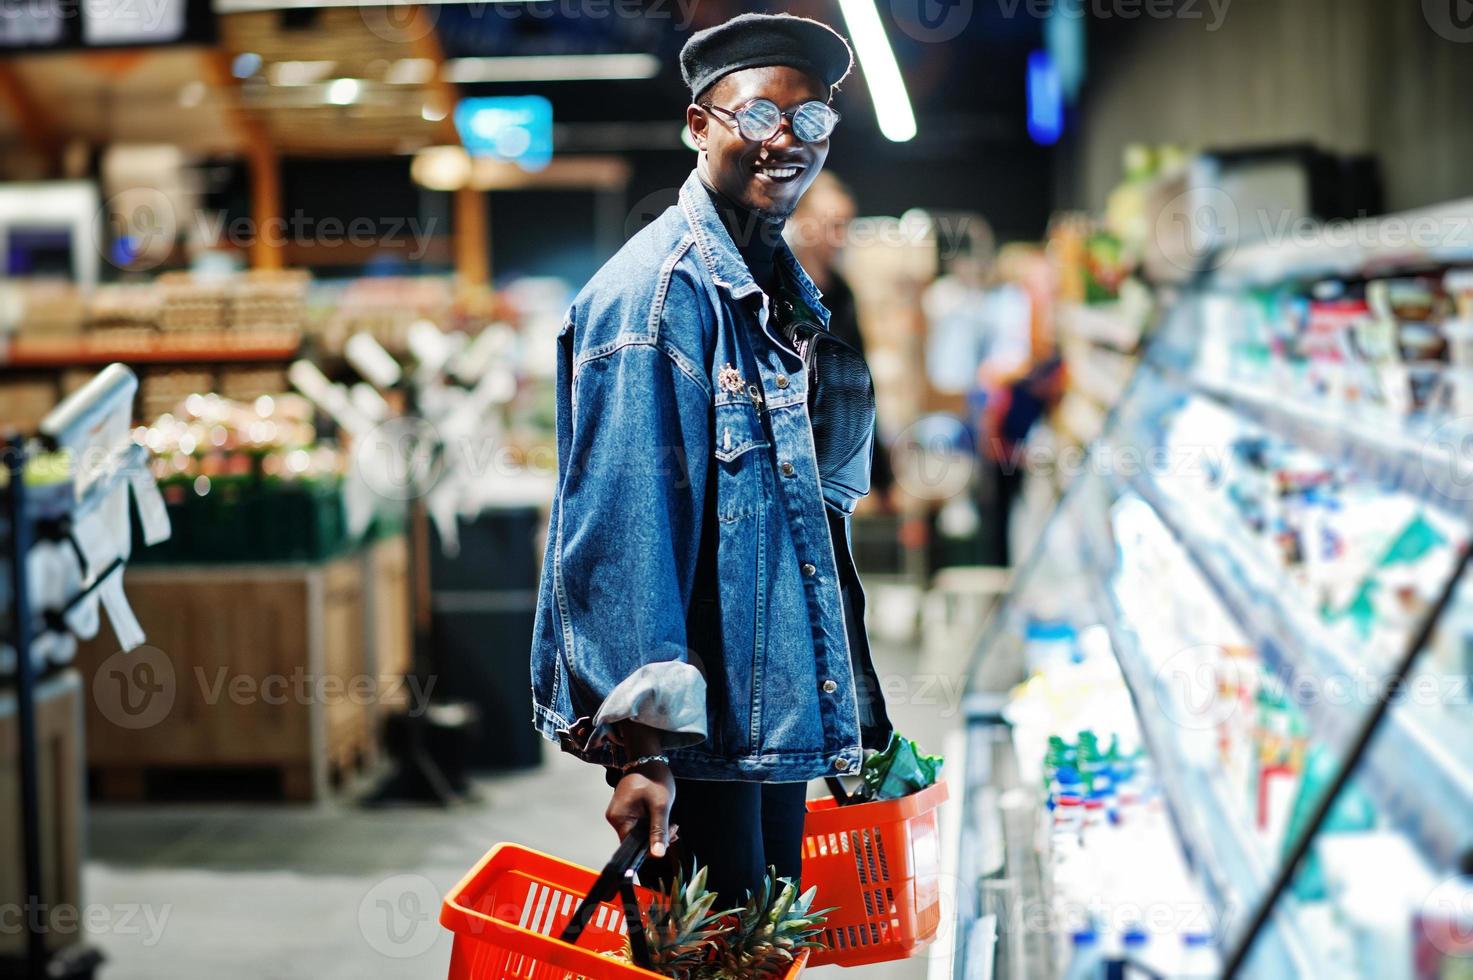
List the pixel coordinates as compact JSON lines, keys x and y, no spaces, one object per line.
{"x":690,"y":582}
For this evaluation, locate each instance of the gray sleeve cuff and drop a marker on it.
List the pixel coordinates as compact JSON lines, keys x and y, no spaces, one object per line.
{"x":668,"y":695}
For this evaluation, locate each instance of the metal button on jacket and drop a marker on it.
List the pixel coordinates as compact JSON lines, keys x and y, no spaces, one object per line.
{"x":841,"y":765}
{"x":782,"y":380}
{"x":787,"y":469}
{"x":830,"y":686}
{"x":809,"y":568}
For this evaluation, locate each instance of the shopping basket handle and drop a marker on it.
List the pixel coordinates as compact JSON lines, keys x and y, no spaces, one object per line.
{"x":617,"y":878}
{"x":836,"y":786}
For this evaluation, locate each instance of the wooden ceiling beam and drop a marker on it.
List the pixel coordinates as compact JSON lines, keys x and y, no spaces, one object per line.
{"x":35,"y":129}
{"x":426,"y":44}
{"x":472,"y":244}
{"x":260,"y":152}
{"x":215,"y":68}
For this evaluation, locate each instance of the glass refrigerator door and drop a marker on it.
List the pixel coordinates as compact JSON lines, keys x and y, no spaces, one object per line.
{"x":1385,"y":888}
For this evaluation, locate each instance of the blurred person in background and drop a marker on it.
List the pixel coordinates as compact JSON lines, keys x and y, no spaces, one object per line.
{"x":986,"y":337}
{"x":1015,"y":389}
{"x":818,"y":233}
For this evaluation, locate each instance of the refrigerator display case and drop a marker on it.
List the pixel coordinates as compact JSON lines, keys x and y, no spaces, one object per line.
{"x":1222,"y":724}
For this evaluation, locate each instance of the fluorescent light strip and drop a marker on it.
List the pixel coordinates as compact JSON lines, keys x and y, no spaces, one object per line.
{"x":881,"y":73}
{"x":290,"y":73}
{"x":410,"y":71}
{"x":551,"y":68}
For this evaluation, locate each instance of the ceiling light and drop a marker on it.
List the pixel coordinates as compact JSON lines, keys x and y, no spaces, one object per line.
{"x":441,"y":168}
{"x":252,"y":6}
{"x":881,"y":73}
{"x":300,"y":72}
{"x":245,"y":64}
{"x":343,"y":91}
{"x":552,"y":68}
{"x":410,"y":71}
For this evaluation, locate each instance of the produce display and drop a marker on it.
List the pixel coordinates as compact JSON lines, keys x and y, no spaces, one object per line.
{"x":246,"y":482}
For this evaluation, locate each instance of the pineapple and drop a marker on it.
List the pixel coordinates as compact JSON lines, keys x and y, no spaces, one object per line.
{"x":759,"y":941}
{"x":768,"y":933}
{"x":682,"y":931}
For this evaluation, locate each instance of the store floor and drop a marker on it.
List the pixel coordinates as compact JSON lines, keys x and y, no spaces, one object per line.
{"x":243,"y":891}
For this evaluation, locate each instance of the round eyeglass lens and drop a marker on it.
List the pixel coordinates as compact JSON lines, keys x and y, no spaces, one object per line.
{"x":813,"y":122}
{"x":759,"y":119}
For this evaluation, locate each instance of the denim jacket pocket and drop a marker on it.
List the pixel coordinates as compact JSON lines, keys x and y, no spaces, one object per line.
{"x":739,"y":477}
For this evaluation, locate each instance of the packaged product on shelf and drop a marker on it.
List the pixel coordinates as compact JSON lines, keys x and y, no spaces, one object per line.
{"x":50,"y":308}
{"x":1105,"y":267}
{"x":1442,"y":930}
{"x":1280,"y":741}
{"x":1458,"y":329}
{"x":124,"y":314}
{"x":187,"y":304}
{"x":1327,"y":347}
{"x":1378,"y":889}
{"x":1418,"y":307}
{"x":1239,"y":679}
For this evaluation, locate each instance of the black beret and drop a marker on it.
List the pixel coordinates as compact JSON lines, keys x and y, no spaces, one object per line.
{"x":761,"y":40}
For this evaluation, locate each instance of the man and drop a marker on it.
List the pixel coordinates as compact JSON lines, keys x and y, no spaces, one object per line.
{"x":699,"y":609}
{"x":818,"y":233}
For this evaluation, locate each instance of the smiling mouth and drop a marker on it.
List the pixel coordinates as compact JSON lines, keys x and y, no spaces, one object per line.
{"x":779,"y":174}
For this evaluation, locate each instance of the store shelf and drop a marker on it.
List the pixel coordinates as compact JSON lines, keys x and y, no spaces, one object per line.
{"x":1406,"y":240}
{"x":1419,"y":463}
{"x":1109,"y":324}
{"x":193,"y":348}
{"x":1234,"y":867}
{"x":1412,"y":766}
{"x":1099,"y":373}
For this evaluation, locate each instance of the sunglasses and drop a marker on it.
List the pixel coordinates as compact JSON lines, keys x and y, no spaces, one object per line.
{"x":761,"y":119}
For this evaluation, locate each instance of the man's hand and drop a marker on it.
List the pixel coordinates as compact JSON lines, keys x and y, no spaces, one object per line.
{"x":646,"y":791}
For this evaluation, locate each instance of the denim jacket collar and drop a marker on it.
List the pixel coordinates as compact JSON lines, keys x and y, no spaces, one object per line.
{"x":721,"y":258}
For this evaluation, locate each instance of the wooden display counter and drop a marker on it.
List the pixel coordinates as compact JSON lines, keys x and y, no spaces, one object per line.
{"x":59,"y":751}
{"x":257,"y":679}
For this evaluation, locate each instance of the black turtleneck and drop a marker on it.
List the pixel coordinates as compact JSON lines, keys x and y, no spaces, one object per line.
{"x":756,"y":237}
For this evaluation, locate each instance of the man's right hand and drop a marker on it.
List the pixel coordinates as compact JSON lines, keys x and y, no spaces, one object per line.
{"x":646,"y":791}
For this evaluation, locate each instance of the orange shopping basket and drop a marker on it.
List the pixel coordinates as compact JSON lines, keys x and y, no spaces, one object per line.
{"x":880,"y":865}
{"x":526,"y":915}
